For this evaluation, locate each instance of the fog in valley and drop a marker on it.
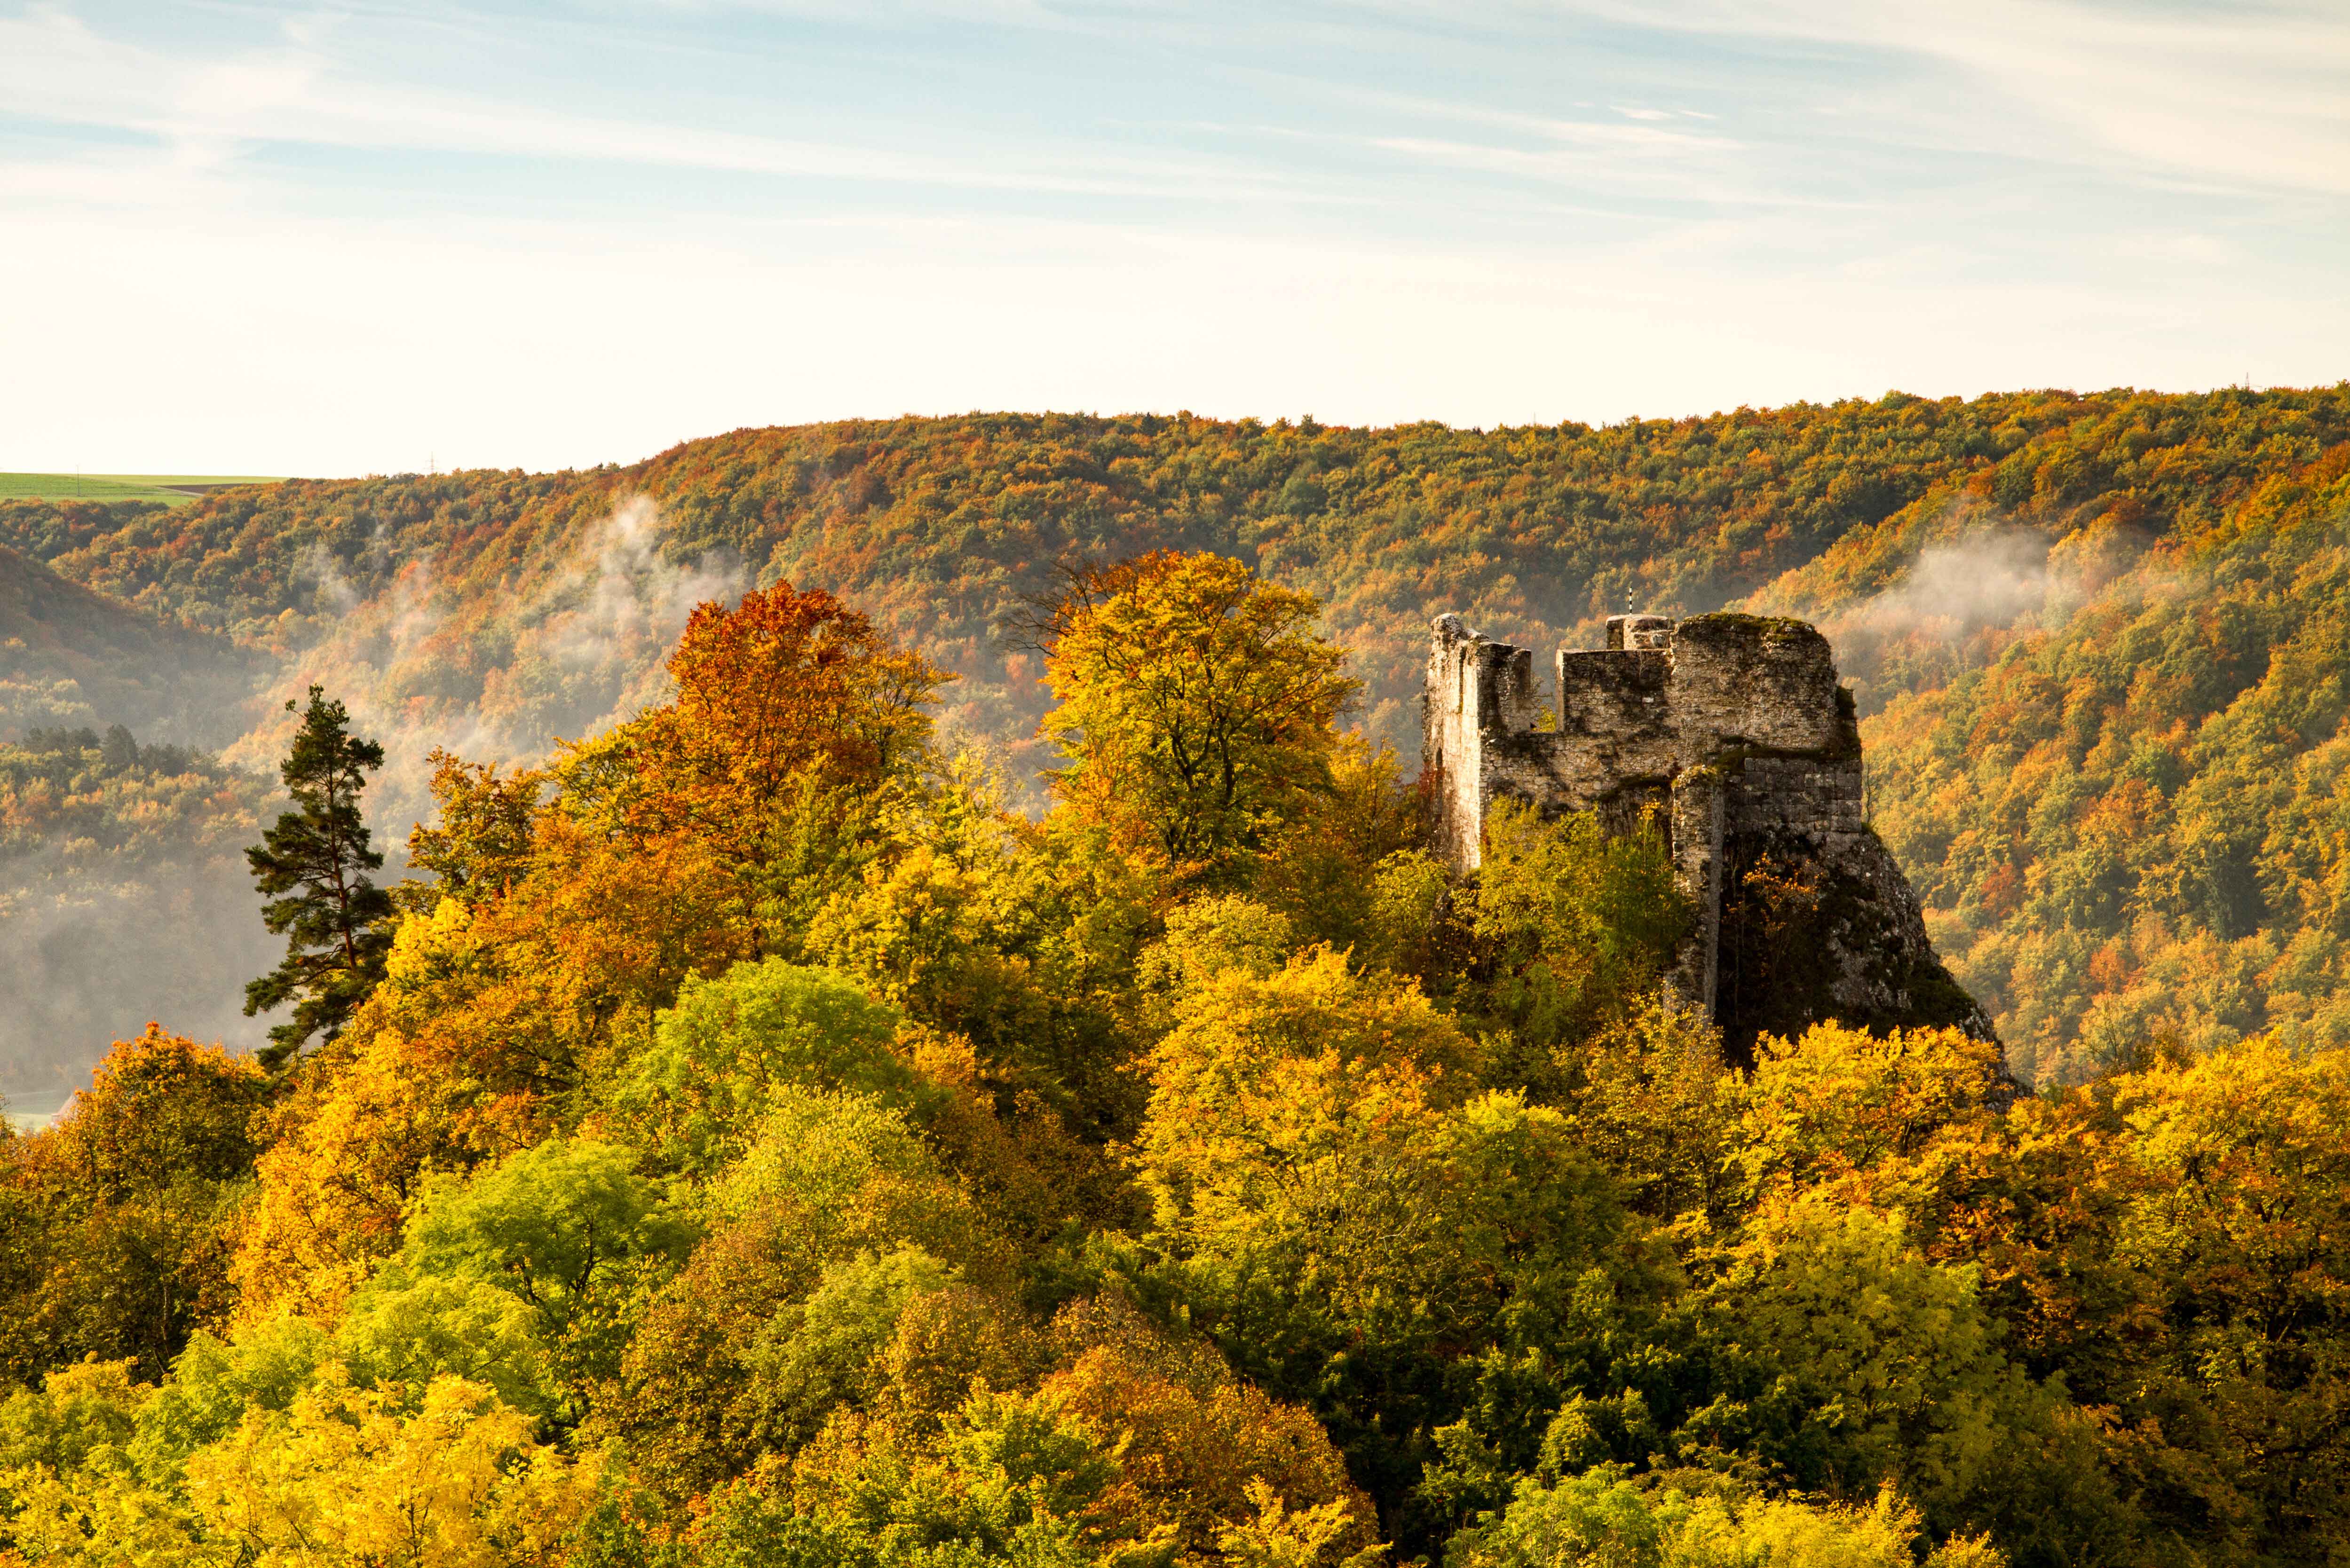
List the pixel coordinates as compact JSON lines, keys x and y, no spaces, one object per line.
{"x":96,"y":951}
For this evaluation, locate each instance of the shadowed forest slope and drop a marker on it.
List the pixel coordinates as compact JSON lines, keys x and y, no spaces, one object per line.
{"x":69,"y":656}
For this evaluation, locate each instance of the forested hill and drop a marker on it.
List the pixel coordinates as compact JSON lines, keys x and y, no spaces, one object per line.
{"x":935,"y":526}
{"x":2052,"y":734}
{"x":68,"y":655}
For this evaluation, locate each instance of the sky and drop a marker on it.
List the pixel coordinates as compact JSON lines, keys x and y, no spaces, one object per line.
{"x":392,"y":236}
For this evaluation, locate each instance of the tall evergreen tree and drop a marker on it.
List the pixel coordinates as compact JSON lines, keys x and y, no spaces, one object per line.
{"x":312,"y":868}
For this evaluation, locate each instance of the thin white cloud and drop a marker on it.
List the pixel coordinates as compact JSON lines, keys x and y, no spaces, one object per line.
{"x":2252,"y":96}
{"x":1548,"y":127}
{"x":53,"y":65}
{"x":1603,"y":163}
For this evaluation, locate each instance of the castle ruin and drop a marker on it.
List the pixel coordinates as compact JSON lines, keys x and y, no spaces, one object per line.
{"x":1732,"y":734}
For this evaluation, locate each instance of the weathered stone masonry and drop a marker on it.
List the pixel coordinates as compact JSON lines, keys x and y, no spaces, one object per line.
{"x":1737,"y":732}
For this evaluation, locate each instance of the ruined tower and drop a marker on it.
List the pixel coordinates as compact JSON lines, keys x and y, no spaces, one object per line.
{"x":1734,"y":734}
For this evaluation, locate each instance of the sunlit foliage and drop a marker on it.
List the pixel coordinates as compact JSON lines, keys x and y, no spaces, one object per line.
{"x":762,"y":1148}
{"x":1196,"y":705}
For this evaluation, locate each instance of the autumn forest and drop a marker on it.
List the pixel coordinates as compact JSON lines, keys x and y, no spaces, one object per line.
{"x":876,"y":995}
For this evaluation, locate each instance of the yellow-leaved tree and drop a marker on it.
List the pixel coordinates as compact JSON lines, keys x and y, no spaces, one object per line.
{"x":1197,"y":705}
{"x":345,"y":1477}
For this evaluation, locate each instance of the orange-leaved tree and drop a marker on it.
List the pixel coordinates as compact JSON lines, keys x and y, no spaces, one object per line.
{"x":492,"y":1029}
{"x":785,"y":684}
{"x":790,"y":708}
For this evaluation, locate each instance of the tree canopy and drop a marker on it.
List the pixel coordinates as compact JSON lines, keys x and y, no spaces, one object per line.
{"x":1197,"y":705}
{"x":762,"y":1145}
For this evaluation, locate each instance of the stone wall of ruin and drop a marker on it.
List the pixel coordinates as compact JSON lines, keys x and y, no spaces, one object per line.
{"x":1734,"y":729}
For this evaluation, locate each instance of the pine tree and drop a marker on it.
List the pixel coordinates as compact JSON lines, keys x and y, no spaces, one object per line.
{"x":312,"y":868}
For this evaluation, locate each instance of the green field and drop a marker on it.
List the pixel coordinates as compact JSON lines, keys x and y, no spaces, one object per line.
{"x":172,"y":489}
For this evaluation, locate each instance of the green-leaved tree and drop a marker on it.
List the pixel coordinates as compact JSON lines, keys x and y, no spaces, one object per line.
{"x":312,"y":868}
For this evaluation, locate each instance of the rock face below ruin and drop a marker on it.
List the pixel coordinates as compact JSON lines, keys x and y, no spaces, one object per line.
{"x":1735,"y":732}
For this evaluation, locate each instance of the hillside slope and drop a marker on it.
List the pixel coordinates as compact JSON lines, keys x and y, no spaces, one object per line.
{"x":2131,"y":823}
{"x":493,"y":612}
{"x":124,"y":895}
{"x":69,"y":656}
